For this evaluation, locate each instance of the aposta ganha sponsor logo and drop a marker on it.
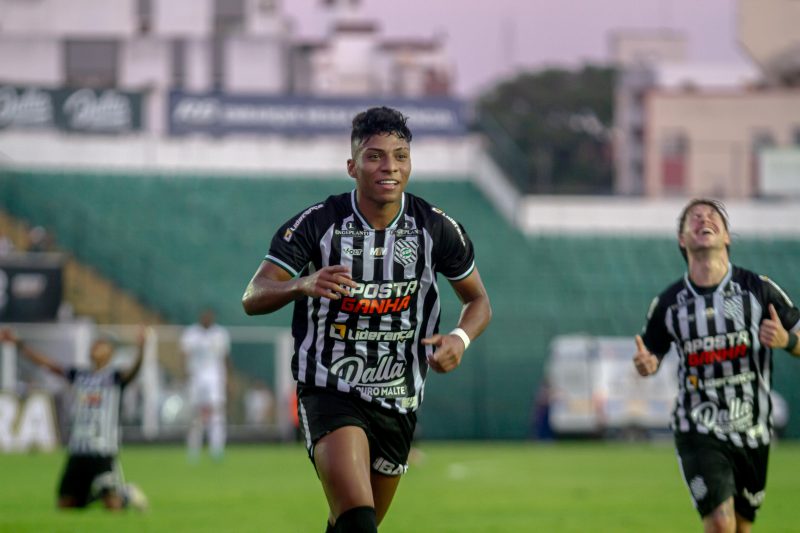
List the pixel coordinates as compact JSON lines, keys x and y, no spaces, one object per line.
{"x":380,"y":298}
{"x":717,"y":348}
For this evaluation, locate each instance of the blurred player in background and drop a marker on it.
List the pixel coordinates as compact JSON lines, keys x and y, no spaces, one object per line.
{"x":361,"y":269}
{"x":206,"y":349}
{"x":725,"y":322}
{"x":93,"y":471}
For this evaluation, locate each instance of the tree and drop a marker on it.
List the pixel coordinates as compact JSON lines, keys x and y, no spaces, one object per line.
{"x":551,"y":130}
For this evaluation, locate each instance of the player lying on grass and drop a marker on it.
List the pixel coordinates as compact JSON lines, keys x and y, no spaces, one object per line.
{"x":92,"y":471}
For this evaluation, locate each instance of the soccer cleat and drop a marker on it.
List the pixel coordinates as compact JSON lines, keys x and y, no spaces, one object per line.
{"x":135,"y":498}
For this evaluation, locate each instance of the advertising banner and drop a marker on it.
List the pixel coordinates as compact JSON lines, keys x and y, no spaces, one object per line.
{"x":100,"y":111}
{"x":221,"y":114}
{"x":30,"y":287}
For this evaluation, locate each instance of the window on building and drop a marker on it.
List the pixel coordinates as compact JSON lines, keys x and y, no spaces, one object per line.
{"x":218,"y":63}
{"x":674,"y":162}
{"x":91,"y":63}
{"x":144,"y":11}
{"x":178,"y":53}
{"x":759,"y":141}
{"x":228,"y":16}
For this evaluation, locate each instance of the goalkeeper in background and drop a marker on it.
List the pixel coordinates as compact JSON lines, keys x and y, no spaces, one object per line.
{"x":92,"y":471}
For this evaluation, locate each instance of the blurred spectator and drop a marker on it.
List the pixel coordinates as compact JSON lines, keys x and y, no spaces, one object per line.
{"x":6,"y":246}
{"x":38,"y":240}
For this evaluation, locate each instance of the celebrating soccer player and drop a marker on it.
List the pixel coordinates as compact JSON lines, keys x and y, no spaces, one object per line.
{"x":361,"y":269}
{"x":725,"y":322}
{"x":92,"y":471}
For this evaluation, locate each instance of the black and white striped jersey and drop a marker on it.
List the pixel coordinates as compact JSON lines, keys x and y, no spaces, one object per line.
{"x":369,"y":342}
{"x":724,"y":372}
{"x":95,"y":411}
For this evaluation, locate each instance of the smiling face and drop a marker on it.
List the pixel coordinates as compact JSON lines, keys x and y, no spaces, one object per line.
{"x":703,"y":229}
{"x":381,"y":166}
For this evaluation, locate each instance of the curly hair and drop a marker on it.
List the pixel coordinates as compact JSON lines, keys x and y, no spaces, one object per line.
{"x":377,"y":121}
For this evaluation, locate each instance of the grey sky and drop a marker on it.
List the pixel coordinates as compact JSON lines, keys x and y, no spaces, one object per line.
{"x":490,"y":39}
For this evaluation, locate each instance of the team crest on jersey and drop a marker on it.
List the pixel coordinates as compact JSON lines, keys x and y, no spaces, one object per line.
{"x":733,"y":310}
{"x":405,"y":251}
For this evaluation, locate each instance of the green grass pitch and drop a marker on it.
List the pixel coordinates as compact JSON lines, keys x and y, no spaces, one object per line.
{"x":455,"y":487}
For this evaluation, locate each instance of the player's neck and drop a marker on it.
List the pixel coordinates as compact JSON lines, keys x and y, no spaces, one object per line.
{"x":708,"y":269}
{"x":379,"y":216}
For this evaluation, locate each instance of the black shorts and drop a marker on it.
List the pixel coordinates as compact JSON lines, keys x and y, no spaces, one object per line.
{"x":715,"y":470}
{"x":322,"y":411}
{"x":83,"y":471}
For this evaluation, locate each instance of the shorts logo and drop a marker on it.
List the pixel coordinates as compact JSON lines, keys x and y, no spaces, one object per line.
{"x":698,"y":488}
{"x":754,"y":499}
{"x":388,"y":468}
{"x":405,"y":251}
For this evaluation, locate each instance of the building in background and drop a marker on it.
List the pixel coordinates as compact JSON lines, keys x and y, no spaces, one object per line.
{"x":685,"y":129}
{"x":145,"y":49}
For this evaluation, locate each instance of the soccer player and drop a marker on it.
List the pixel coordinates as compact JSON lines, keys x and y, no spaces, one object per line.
{"x":361,"y":269}
{"x":206,"y":348}
{"x":725,"y":322}
{"x":92,"y":471}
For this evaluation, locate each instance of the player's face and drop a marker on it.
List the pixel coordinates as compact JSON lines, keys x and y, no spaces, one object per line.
{"x":101,"y":353}
{"x":381,"y":166}
{"x":704,"y":229}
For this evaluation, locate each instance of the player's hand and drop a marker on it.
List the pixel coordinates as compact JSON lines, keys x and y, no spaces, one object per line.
{"x":8,"y":335}
{"x":330,"y":282}
{"x":448,"y":353}
{"x":771,"y":332}
{"x":645,"y":362}
{"x":141,"y":335}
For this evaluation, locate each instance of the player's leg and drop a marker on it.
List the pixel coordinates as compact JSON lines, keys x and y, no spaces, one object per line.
{"x":197,"y":404}
{"x":750,"y":468}
{"x":75,"y":485}
{"x":342,"y":461}
{"x":383,"y":491}
{"x":707,"y":469}
{"x":722,"y":519}
{"x":743,"y":525}
{"x":216,"y":420}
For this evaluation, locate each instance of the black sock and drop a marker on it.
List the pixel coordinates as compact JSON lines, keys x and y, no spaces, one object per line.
{"x":357,"y":520}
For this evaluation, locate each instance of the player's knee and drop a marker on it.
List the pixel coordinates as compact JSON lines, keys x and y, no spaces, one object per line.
{"x":720,"y":522}
{"x":357,"y":520}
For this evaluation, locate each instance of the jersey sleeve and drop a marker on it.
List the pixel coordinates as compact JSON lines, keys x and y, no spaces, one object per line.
{"x":788,"y":313}
{"x":293,"y":244}
{"x":453,"y":253}
{"x":654,"y":333}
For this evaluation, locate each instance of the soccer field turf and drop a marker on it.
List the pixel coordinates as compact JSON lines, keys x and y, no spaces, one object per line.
{"x":455,"y":487}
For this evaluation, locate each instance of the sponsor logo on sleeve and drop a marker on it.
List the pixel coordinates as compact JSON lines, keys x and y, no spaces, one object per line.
{"x":289,"y":233}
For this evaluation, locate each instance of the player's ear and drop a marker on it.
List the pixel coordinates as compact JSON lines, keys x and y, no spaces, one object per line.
{"x":351,"y":168}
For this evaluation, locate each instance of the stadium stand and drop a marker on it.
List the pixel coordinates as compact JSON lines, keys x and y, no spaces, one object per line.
{"x":182,"y":242}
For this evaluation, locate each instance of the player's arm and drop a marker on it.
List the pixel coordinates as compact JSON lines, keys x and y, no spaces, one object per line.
{"x":272,"y":287}
{"x":128,"y":375}
{"x":645,"y":361}
{"x":6,"y":335}
{"x":476,"y":312}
